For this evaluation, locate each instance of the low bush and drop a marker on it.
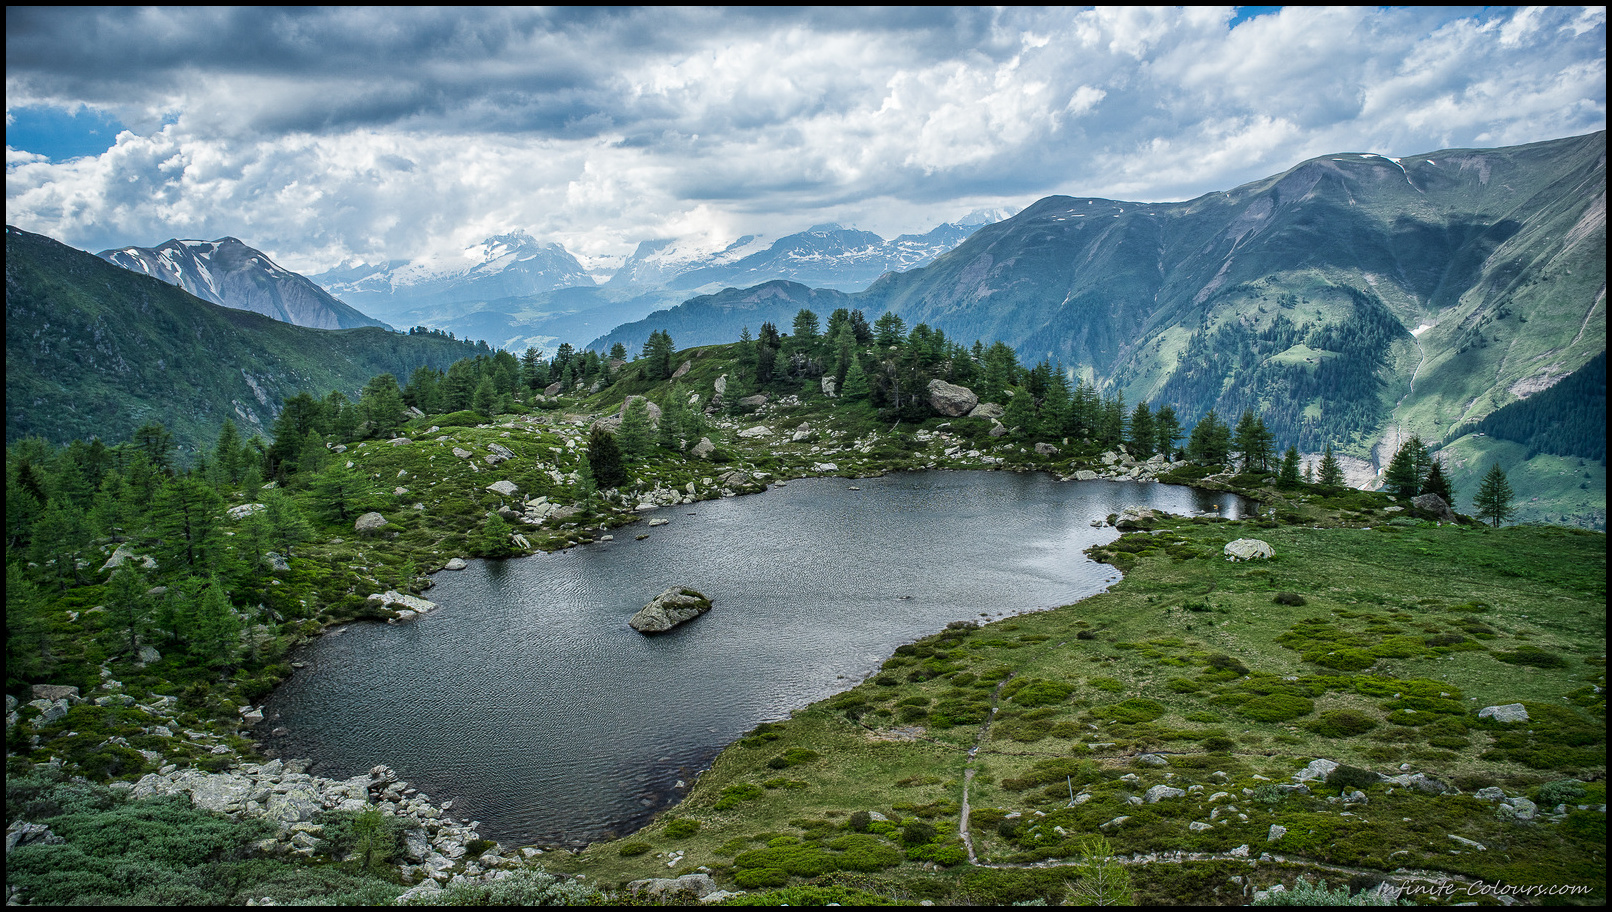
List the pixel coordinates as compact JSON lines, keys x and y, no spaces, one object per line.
{"x":1276,"y":707}
{"x":1341,"y":723}
{"x":1290,"y":598}
{"x":629,"y":849}
{"x":1531,"y":656}
{"x":683,"y":827}
{"x":1132,"y":711}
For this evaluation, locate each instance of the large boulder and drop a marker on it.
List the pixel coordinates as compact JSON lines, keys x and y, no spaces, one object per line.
{"x":672,"y":607}
{"x":951,"y":400}
{"x":369,"y":522}
{"x":1509,"y":712}
{"x":987,"y":410}
{"x":1249,"y":549}
{"x":1434,"y":504}
{"x":505,"y":488}
{"x":673,"y":891}
{"x":653,"y":410}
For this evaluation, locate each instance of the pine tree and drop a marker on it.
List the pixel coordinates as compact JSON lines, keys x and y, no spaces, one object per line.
{"x":1144,"y":432}
{"x":1438,"y":483}
{"x":1405,"y":471}
{"x":494,"y":539}
{"x":485,"y":398}
{"x":1493,"y":501}
{"x":856,"y":387}
{"x":126,"y":604}
{"x":1210,"y":441}
{"x":604,"y":457}
{"x":382,"y":406}
{"x":214,"y":630}
{"x":1167,"y":431}
{"x":636,"y":437}
{"x":889,"y":329}
{"x":658,"y":353}
{"x":1330,"y":472}
{"x":1288,"y":477}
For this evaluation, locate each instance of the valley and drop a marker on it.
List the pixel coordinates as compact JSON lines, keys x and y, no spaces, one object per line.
{"x":1372,"y":639}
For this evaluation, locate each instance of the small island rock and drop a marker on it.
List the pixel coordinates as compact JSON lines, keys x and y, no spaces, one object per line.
{"x":672,"y":607}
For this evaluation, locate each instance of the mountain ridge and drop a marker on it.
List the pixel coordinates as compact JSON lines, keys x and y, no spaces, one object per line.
{"x":229,"y":273}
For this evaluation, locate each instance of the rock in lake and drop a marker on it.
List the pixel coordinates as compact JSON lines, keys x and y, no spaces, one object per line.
{"x":672,"y":607}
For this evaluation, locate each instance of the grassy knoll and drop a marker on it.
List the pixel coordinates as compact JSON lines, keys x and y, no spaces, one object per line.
{"x":1373,"y":647}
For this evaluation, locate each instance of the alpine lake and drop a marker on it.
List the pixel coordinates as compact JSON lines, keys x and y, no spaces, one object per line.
{"x":528,"y":700}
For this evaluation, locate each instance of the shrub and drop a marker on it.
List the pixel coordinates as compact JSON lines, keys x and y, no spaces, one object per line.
{"x":1132,"y":711}
{"x":917,"y":832}
{"x":1342,"y":723}
{"x":1290,"y":598}
{"x":1227,"y":663}
{"x":683,"y":827}
{"x":630,"y":849}
{"x":1277,"y":707}
{"x":1342,"y":659}
{"x":1040,"y":692}
{"x":860,"y":821}
{"x":1532,"y":656}
{"x":751,"y":878}
{"x":1345,"y":776}
{"x":1562,"y":791}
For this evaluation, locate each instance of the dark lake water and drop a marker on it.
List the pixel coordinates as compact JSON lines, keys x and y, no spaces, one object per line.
{"x":528,"y":700}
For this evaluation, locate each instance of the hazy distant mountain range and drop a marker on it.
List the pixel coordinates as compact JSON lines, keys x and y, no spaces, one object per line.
{"x":231,"y":274}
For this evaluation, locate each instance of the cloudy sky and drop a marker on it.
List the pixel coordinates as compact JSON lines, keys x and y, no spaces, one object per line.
{"x":331,"y":135}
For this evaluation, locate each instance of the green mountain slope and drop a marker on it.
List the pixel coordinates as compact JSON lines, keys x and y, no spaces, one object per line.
{"x":1300,"y":292}
{"x":94,"y":350}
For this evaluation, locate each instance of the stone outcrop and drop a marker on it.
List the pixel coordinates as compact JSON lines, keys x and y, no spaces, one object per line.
{"x":673,"y":890}
{"x":1249,"y":549}
{"x":406,"y":606}
{"x":283,"y":793}
{"x":1434,"y":504}
{"x":675,"y":606}
{"x":951,"y":400}
{"x":504,"y":488}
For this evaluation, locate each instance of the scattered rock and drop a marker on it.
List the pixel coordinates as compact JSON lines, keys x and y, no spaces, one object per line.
{"x":504,"y":488}
{"x":455,"y":563}
{"x":1277,"y":831}
{"x":673,"y":891}
{"x":1160,"y":792}
{"x":1318,"y":769}
{"x":240,"y":512}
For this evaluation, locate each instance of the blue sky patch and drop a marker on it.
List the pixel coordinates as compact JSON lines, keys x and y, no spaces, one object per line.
{"x":59,"y":135}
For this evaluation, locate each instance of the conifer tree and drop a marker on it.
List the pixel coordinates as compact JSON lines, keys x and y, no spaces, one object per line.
{"x":636,"y":436}
{"x":381,"y":404}
{"x":127,"y":605}
{"x":889,"y":329}
{"x":1330,"y":472}
{"x":1167,"y":432}
{"x":1144,"y":432}
{"x":604,"y":457}
{"x":1288,"y":477}
{"x":857,"y":388}
{"x":1405,"y":471}
{"x":1493,"y":501}
{"x":494,"y":539}
{"x":1210,"y":441}
{"x":1438,"y":483}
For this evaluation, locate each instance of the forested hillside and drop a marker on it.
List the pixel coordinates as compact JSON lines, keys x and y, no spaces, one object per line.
{"x":96,"y":351}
